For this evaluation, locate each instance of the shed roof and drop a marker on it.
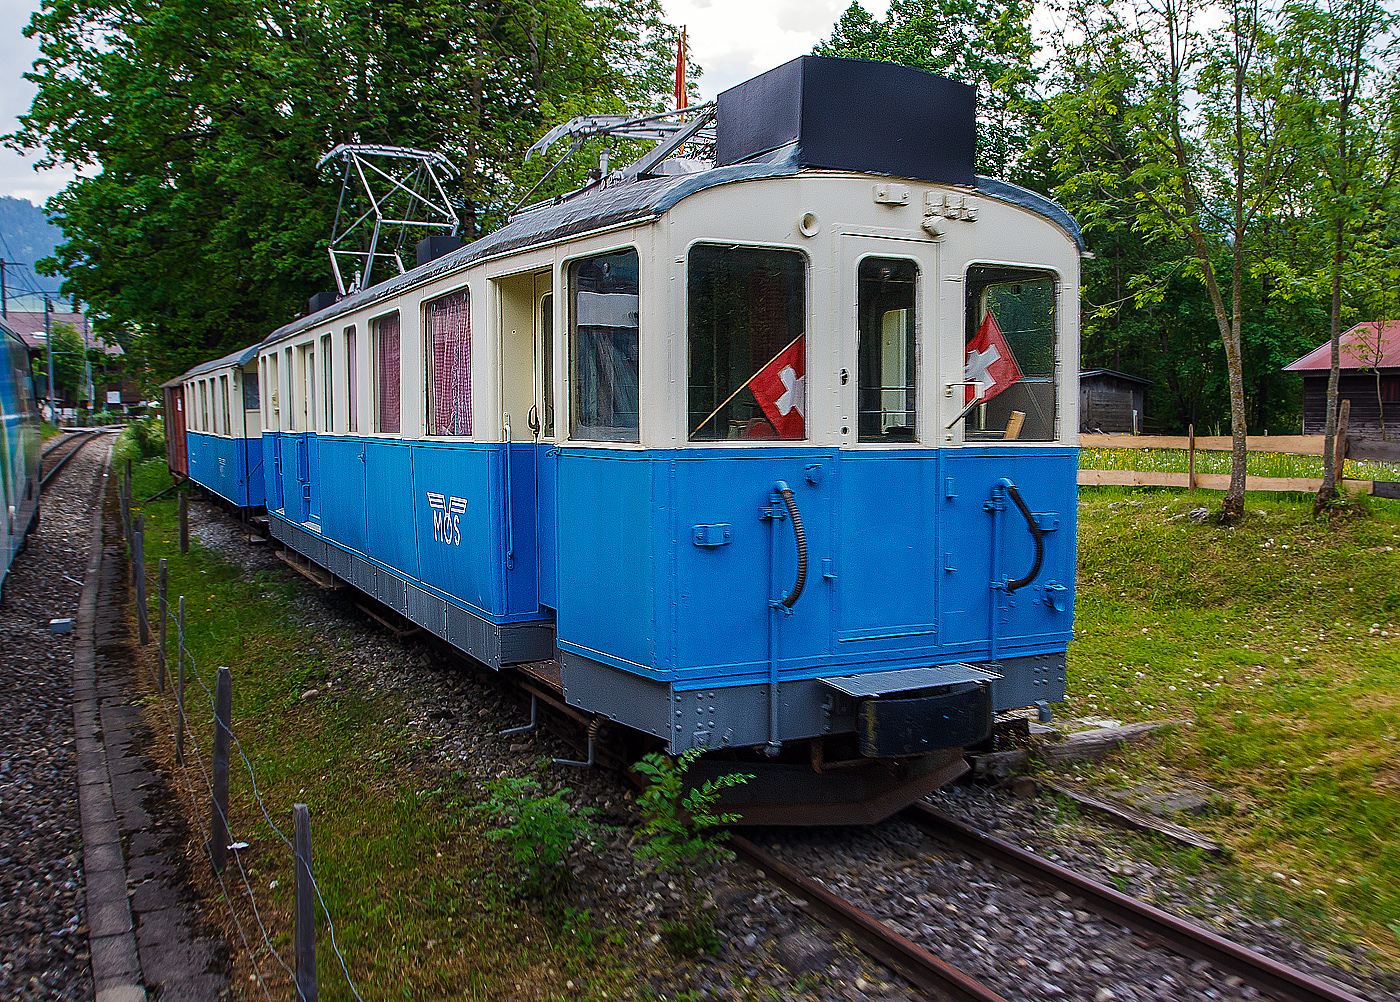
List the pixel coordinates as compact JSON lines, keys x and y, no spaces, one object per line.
{"x":602,"y":206}
{"x":29,"y":325}
{"x":1115,"y":374}
{"x":1357,"y":348}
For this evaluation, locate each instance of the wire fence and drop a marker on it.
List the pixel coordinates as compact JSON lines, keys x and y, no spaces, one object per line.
{"x":201,"y":783}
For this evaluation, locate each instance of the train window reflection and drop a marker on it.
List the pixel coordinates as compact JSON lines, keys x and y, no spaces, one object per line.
{"x":1010,"y":354}
{"x":384,"y":337}
{"x":604,"y":350}
{"x":746,"y":326}
{"x":885,"y":315}
{"x":450,"y":364}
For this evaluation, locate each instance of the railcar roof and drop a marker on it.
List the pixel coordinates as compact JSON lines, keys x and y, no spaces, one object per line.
{"x":630,"y":201}
{"x":240,"y":358}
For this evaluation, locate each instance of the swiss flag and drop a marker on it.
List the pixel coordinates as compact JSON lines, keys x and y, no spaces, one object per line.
{"x":990,"y":363}
{"x":781,"y":390}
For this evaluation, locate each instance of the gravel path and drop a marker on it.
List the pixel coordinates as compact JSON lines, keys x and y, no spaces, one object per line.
{"x":43,"y":937}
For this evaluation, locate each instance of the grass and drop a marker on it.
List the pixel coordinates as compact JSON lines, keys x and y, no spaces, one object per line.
{"x":1258,"y":464}
{"x":407,"y":873}
{"x":1278,"y":640}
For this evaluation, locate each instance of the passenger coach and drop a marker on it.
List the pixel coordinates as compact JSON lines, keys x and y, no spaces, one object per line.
{"x":213,"y":428}
{"x":774,"y":454}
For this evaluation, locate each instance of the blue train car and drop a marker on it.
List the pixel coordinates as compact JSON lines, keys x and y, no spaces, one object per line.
{"x":213,"y":426}
{"x":771,"y":454}
{"x":19,"y":447}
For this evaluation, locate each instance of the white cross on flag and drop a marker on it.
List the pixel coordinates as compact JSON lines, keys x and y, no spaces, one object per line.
{"x":781,"y":390}
{"x":990,"y":364}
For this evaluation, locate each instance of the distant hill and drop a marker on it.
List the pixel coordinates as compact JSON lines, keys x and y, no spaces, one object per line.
{"x":26,"y":235}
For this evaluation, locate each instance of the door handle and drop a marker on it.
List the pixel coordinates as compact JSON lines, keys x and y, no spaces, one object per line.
{"x":533,"y":420}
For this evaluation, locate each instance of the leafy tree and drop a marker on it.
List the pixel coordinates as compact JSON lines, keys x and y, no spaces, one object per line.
{"x":1179,"y":129}
{"x":988,"y":45}
{"x":200,"y":218}
{"x":1343,"y":115}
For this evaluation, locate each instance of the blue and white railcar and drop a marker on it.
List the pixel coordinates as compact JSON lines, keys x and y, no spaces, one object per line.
{"x":218,"y":407}
{"x":588,"y":438}
{"x":19,"y":447}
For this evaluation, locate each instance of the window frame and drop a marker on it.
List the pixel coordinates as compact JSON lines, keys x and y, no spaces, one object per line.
{"x":376,"y":417}
{"x":424,"y":308}
{"x":920,"y":327}
{"x":809,"y":317}
{"x":350,"y":345}
{"x":325,"y":374}
{"x":564,"y":283}
{"x":1057,"y":283}
{"x":226,"y":402}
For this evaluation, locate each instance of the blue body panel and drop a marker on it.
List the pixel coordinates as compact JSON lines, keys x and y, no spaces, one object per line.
{"x":659,"y":562}
{"x":900,"y":560}
{"x":223,"y":466}
{"x":19,"y":450}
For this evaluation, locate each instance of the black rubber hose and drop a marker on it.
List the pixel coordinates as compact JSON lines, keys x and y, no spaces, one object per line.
{"x":801,"y":535}
{"x":1036,"y":534}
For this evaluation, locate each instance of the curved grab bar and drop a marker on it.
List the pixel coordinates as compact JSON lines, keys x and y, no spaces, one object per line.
{"x":801,"y":536}
{"x":1036,"y":534}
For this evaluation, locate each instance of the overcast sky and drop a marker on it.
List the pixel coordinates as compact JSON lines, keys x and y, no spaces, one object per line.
{"x":731,"y":39}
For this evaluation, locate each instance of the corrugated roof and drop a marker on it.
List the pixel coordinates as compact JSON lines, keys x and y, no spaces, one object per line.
{"x":1358,"y":349}
{"x":619,"y":203}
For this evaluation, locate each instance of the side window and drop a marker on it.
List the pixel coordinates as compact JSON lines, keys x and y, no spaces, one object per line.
{"x":449,"y":324}
{"x":384,"y":338}
{"x":1010,"y":355}
{"x":203,"y":405}
{"x":224,"y":403}
{"x":251,"y":398}
{"x":604,"y":348}
{"x":746,"y":313}
{"x":547,"y":350}
{"x":885,"y":315}
{"x":352,"y":382}
{"x":326,"y":374}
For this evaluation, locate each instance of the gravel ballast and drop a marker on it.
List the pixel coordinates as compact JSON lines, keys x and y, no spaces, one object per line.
{"x":43,"y":933}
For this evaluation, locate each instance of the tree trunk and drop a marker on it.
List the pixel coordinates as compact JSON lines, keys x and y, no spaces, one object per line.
{"x":1328,"y":491}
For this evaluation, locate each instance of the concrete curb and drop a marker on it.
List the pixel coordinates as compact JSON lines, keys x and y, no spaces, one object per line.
{"x":116,"y":971}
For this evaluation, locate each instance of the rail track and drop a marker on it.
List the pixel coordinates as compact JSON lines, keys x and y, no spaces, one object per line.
{"x":943,"y":981}
{"x":1190,"y":940}
{"x":51,"y":466}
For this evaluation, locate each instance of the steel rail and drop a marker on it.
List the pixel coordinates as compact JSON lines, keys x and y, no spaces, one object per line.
{"x":81,"y":439}
{"x":1175,"y":933}
{"x":922,"y":969}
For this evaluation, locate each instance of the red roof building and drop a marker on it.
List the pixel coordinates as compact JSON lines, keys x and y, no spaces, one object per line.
{"x":1370,"y":379}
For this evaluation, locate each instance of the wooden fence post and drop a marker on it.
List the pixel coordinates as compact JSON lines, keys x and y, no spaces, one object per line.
{"x":1191,"y":457}
{"x":184,"y":523}
{"x":180,"y":684}
{"x":143,"y":622}
{"x":162,"y":585}
{"x":218,"y":814}
{"x":305,"y":933}
{"x":1339,"y":450}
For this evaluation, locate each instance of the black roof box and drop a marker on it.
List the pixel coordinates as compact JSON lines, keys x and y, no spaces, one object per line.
{"x":850,"y":114}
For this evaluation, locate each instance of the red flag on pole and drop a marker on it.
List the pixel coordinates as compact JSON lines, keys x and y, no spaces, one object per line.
{"x":990,"y":363}
{"x":682,"y":99}
{"x":781,"y":390}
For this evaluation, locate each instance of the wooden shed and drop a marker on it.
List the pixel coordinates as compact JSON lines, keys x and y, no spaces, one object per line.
{"x":1367,"y":350}
{"x":1111,"y":402}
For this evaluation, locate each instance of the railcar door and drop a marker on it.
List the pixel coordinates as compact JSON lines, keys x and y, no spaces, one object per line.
{"x":517,"y":310}
{"x":547,"y":453}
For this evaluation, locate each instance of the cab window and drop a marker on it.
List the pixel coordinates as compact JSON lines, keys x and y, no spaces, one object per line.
{"x":746,"y":314}
{"x":1010,"y":355}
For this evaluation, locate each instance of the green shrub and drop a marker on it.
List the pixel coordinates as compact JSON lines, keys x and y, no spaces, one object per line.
{"x":538,"y":829}
{"x":682,"y":833}
{"x":141,"y":440}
